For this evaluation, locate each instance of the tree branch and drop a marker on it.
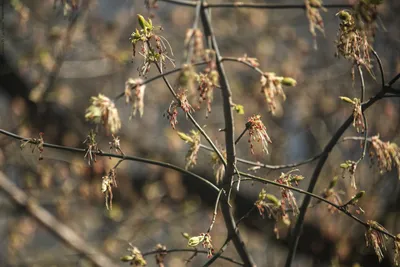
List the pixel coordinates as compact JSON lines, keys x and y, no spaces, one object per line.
{"x":125,"y":157}
{"x":66,"y":234}
{"x":233,"y":231}
{"x":328,"y":148}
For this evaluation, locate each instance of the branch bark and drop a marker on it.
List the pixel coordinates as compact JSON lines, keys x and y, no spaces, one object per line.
{"x":66,"y":234}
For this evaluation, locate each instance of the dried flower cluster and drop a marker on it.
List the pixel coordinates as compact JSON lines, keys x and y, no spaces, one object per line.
{"x":218,"y":166}
{"x":137,"y":98}
{"x":350,"y":166}
{"x":183,"y":102}
{"x":194,"y":140}
{"x":109,"y":181}
{"x":91,"y":147}
{"x":135,"y":258}
{"x":35,"y":143}
{"x":116,"y":145}
{"x":250,"y":60}
{"x":198,"y":45}
{"x":205,"y":240}
{"x":313,"y":8}
{"x":366,"y":14}
{"x":358,"y":118}
{"x":352,"y":43}
{"x":103,"y":111}
{"x":332,"y":195}
{"x":267,"y":203}
{"x":257,"y":132}
{"x":207,"y":83}
{"x":376,"y":239}
{"x":146,"y":36}
{"x":287,"y":195}
{"x":271,"y":87}
{"x":387,"y":154}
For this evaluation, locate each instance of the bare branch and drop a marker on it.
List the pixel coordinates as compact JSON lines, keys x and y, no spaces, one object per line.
{"x":66,"y":234}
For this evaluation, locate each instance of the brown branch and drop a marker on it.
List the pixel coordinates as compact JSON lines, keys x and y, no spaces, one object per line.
{"x":190,"y":250}
{"x":123,"y":157}
{"x":328,"y":148}
{"x":66,"y":234}
{"x":233,"y":231}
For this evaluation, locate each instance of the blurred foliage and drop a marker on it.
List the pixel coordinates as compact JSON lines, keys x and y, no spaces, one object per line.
{"x":67,"y":51}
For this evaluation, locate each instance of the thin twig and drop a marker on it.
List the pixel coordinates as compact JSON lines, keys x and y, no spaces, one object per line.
{"x":363,"y":114}
{"x":341,"y":208}
{"x":215,"y":211}
{"x":198,"y":127}
{"x":380,"y":67}
{"x":190,"y":250}
{"x":162,"y":75}
{"x":131,"y":158}
{"x":219,"y":253}
{"x":270,"y":167}
{"x":328,"y":148}
{"x":270,"y":6}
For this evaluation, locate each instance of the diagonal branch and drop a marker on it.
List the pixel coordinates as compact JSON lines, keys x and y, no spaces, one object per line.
{"x":66,"y":234}
{"x":328,"y":148}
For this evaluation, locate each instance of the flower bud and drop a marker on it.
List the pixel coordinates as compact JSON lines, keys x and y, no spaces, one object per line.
{"x":195,"y":240}
{"x":289,"y":81}
{"x":126,"y":258}
{"x":185,"y":137}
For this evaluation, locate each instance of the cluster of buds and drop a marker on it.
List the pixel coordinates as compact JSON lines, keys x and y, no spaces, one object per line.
{"x":387,"y":154}
{"x":183,"y":102}
{"x":135,"y":258}
{"x":194,"y":141}
{"x":103,"y":111}
{"x":108,"y":182}
{"x":205,"y":240}
{"x":350,"y":167}
{"x":116,"y":145}
{"x":137,"y":98}
{"x":313,"y":8}
{"x":207,"y":83}
{"x":267,"y":203}
{"x":352,"y":43}
{"x":198,"y":45}
{"x":332,"y":195}
{"x":145,"y":36}
{"x":91,"y":147}
{"x":257,"y":132}
{"x":250,"y":60}
{"x":218,"y":166}
{"x":358,"y":118}
{"x":287,"y":195}
{"x":36,"y":143}
{"x":271,"y":87}
{"x":376,"y":238}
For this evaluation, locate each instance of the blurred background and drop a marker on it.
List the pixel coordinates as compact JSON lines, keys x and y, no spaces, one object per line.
{"x":55,"y":59}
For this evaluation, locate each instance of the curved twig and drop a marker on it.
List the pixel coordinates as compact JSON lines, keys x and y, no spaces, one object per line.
{"x":124,"y":157}
{"x":190,"y":250}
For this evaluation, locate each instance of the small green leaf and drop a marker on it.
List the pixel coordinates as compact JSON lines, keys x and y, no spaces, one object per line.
{"x":239,"y":109}
{"x":346,"y":99}
{"x":289,"y":81}
{"x":126,"y":258}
